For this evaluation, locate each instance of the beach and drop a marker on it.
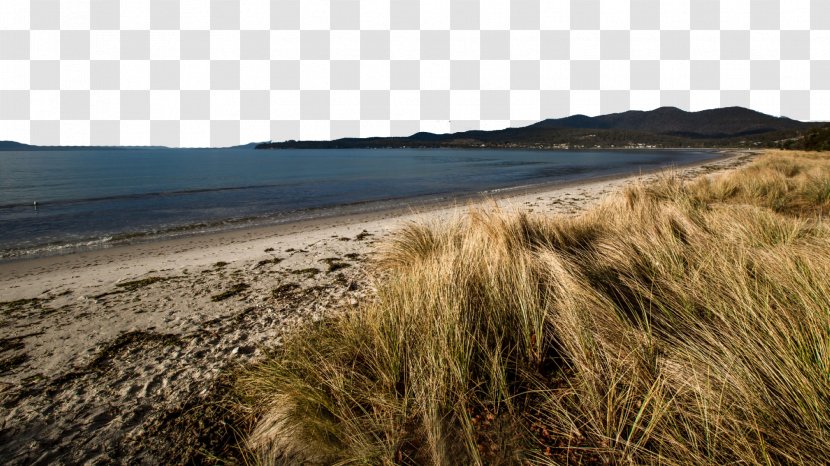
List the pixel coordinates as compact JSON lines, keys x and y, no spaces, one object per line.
{"x":104,"y":352}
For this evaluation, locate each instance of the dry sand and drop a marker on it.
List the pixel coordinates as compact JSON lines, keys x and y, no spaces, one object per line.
{"x":112,"y":355}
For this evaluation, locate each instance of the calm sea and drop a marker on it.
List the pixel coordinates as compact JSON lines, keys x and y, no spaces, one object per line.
{"x":97,"y":198}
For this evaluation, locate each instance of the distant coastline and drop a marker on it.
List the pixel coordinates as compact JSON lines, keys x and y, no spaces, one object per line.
{"x":661,"y":128}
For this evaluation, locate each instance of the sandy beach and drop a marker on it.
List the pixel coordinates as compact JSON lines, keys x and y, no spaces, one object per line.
{"x":106,"y":354}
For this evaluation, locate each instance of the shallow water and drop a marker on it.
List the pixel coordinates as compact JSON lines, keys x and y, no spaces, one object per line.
{"x":100,"y":197}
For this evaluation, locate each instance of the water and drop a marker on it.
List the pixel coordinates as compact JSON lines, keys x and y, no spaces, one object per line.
{"x":92,"y":198}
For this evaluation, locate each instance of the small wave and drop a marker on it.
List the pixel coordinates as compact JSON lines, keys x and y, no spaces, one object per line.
{"x":183,"y":230}
{"x":55,"y":248}
{"x":181,"y":192}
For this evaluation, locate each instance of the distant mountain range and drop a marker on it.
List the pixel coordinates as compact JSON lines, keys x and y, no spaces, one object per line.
{"x":11,"y":145}
{"x":665,"y":127}
{"x":662,"y":127}
{"x":716,"y":123}
{"x":18,"y":146}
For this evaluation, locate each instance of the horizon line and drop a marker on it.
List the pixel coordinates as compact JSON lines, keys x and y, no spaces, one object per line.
{"x":271,"y":141}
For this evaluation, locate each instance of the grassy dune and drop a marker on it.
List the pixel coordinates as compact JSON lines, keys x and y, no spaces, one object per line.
{"x":677,"y":323}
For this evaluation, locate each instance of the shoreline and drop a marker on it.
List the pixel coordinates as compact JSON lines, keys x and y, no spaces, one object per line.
{"x":341,"y":214}
{"x":104,"y":348}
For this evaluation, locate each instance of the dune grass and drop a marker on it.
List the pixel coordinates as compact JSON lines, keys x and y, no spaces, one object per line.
{"x":676,"y":323}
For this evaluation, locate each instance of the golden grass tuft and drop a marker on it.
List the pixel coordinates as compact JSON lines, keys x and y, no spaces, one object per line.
{"x":676,"y":323}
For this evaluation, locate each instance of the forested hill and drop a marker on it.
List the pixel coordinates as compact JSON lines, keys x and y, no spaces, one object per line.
{"x":662,"y":127}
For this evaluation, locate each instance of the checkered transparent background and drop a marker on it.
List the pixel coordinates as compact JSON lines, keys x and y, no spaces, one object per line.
{"x":224,"y":72}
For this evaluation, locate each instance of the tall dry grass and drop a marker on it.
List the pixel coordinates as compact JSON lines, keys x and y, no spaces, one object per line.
{"x":675,"y":323}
